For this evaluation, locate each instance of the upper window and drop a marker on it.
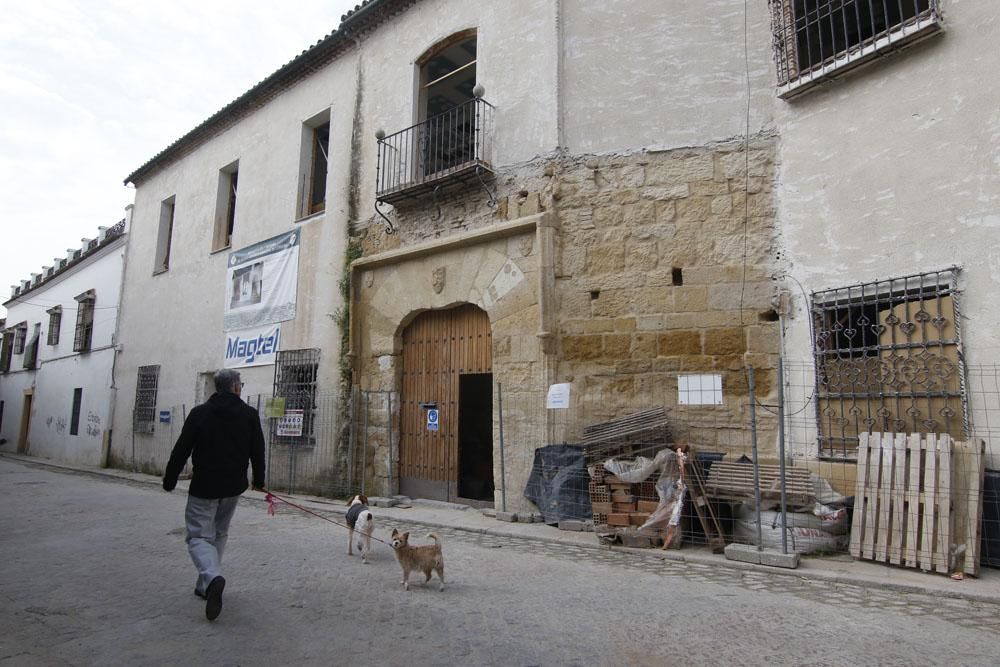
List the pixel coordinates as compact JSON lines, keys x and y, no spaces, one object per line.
{"x":144,"y":412}
{"x":814,"y":39}
{"x":447,"y":81}
{"x":55,"y":323}
{"x":225,"y":207}
{"x":31,"y":351}
{"x":84,"y":321}
{"x":314,"y":161}
{"x":164,"y":236}
{"x":888,"y":359}
{"x":6,"y":350}
{"x":20,"y":337}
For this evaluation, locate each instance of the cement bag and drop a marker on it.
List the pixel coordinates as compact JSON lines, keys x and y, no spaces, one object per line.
{"x":805,"y":532}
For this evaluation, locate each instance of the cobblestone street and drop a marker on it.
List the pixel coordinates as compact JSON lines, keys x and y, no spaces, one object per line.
{"x":95,"y":571}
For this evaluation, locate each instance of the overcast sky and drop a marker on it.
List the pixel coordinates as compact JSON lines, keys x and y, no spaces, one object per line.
{"x":90,"y":90}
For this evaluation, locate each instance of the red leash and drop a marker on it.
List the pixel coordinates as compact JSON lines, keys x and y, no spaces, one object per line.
{"x":272,"y":497}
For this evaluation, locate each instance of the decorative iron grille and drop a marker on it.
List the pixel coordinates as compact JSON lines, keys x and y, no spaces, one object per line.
{"x":295,"y":378}
{"x":55,"y":324}
{"x":31,"y":351}
{"x":888,"y":358}
{"x":455,"y":144}
{"x":144,"y":414}
{"x":20,"y":337}
{"x":810,"y":36}
{"x":84,"y":323}
{"x":5,"y":351}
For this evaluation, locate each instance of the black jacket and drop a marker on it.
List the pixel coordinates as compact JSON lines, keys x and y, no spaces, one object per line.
{"x":221,"y":436}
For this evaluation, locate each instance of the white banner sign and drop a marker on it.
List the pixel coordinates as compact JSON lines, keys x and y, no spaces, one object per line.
{"x":252,"y":347}
{"x":261,"y":283}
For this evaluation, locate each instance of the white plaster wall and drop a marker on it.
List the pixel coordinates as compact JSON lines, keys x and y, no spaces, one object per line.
{"x":516,"y":63}
{"x":174,"y":319}
{"x":663,"y":73}
{"x":60,"y":369}
{"x":895,"y":170}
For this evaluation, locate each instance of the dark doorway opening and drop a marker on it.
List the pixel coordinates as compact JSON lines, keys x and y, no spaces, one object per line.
{"x":475,"y":437}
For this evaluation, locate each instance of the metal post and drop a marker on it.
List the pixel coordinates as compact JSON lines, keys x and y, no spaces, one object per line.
{"x":352,"y":439}
{"x":364,"y":453}
{"x":756,"y":462}
{"x":133,"y":439}
{"x":503,"y":471}
{"x":781,"y":454}
{"x":392,"y":468}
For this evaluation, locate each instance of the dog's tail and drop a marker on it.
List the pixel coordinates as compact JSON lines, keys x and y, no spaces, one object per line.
{"x":434,"y":537}
{"x":369,"y":518}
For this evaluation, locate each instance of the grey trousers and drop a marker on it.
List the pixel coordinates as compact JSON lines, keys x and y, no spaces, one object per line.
{"x":207,"y":521}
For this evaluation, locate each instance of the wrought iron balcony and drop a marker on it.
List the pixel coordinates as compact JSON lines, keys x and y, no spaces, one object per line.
{"x":447,"y":149}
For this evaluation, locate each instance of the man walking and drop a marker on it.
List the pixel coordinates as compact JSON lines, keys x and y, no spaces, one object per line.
{"x":221,"y":436}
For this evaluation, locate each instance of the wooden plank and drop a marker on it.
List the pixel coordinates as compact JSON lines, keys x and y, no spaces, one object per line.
{"x":884,"y":495}
{"x":942,"y":556}
{"x":974,"y":513}
{"x":912,"y":499}
{"x":871,"y":499}
{"x":928,"y":502}
{"x":860,"y":488}
{"x":897,"y":495}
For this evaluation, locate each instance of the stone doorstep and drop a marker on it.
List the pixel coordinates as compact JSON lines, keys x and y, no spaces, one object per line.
{"x":811,"y":568}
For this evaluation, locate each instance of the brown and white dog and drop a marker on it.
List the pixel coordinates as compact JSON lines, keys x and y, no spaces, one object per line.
{"x":360,"y":518}
{"x":423,"y":558}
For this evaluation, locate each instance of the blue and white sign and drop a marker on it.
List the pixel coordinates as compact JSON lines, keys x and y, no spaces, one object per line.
{"x":164,"y":416}
{"x":432,"y":420}
{"x":252,"y":347}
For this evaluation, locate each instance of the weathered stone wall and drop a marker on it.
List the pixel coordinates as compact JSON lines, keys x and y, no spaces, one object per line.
{"x":638,"y":268}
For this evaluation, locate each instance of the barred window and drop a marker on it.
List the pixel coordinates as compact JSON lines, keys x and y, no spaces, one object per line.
{"x":84,"y":321}
{"x":295,"y":376}
{"x":888,"y":359}
{"x":814,"y":39}
{"x":55,"y":323}
{"x":20,"y":337}
{"x":144,"y":413}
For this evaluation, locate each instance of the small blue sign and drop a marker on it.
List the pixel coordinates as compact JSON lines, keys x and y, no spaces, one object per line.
{"x":432,"y":420}
{"x":164,"y":416}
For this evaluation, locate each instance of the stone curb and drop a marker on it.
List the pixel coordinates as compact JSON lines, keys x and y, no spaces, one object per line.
{"x":654,"y":554}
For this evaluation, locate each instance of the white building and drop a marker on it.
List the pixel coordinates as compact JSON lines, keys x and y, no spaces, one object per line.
{"x":58,"y":353}
{"x":605,"y":194}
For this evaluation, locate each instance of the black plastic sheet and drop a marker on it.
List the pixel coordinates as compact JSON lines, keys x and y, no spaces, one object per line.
{"x":558,"y":484}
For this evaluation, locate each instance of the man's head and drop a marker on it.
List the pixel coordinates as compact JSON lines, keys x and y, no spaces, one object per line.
{"x":227,"y":381}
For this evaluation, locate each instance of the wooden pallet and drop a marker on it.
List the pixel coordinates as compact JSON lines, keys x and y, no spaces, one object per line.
{"x":734,"y":481}
{"x":918,"y":496}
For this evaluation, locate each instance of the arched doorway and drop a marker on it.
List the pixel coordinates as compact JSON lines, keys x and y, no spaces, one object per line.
{"x":447,"y":367}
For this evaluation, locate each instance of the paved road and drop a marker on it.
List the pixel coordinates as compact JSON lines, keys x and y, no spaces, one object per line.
{"x":94,"y":571}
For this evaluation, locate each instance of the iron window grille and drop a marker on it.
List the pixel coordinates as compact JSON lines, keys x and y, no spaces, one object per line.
{"x":55,"y":323}
{"x":20,"y":337}
{"x":888,"y":358}
{"x":144,"y":413}
{"x":814,"y":39}
{"x":295,"y":380}
{"x":84,"y":322}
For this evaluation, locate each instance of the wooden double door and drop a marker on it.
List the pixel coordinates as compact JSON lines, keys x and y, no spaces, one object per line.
{"x":447,"y":367}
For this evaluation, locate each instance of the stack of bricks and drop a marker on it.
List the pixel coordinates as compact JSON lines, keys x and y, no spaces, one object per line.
{"x":621,"y":506}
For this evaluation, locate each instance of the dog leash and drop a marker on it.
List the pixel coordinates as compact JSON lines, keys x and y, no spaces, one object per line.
{"x":272,"y":497}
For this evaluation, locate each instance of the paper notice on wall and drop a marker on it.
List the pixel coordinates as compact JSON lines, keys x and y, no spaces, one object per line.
{"x":261,"y":283}
{"x":558,"y":397}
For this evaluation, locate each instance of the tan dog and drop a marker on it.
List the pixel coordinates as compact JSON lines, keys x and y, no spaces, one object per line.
{"x":424,"y":558}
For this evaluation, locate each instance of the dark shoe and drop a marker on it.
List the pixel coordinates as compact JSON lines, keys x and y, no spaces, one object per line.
{"x":214,"y":596}
{"x":200,"y":594}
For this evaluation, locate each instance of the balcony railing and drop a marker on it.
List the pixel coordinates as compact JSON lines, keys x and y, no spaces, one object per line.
{"x":451,"y":147}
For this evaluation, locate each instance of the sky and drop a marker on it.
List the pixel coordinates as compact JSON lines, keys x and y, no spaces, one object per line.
{"x":90,"y":90}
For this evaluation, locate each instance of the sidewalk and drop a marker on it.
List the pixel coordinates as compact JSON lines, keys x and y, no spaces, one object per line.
{"x":840,"y":569}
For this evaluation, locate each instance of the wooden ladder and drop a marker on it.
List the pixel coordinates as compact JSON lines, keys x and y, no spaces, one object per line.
{"x":695,"y":480}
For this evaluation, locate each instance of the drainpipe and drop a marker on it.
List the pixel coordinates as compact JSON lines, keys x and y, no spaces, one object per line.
{"x":113,"y":394}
